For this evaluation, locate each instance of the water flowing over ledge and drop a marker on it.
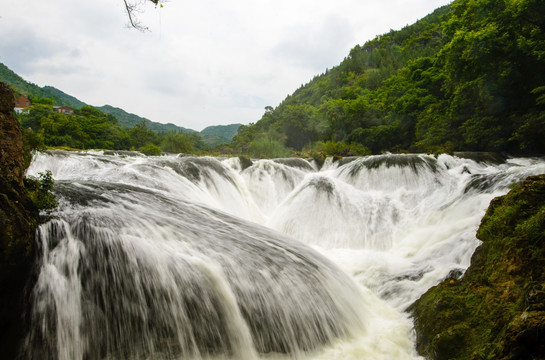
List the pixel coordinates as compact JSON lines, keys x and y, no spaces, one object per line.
{"x":188,"y":257}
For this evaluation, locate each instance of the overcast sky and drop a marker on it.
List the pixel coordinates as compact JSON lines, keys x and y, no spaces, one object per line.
{"x":203,"y":62}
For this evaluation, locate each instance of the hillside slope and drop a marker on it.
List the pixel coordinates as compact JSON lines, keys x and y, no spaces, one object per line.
{"x":128,"y":120}
{"x":125,"y":119}
{"x":219,"y":134}
{"x":468,"y":77}
{"x":29,"y":89}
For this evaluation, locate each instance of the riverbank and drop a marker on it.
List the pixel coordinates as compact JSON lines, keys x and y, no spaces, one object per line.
{"x":497,"y":309}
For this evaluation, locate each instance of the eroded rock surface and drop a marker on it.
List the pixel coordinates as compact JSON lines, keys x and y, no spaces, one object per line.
{"x":18,"y":218}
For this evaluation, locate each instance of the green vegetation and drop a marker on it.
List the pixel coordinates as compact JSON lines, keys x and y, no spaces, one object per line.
{"x":497,"y":310}
{"x":127,"y":121}
{"x":31,"y":141}
{"x":53,"y":96}
{"x":34,"y":92}
{"x":267,"y":147}
{"x":66,"y":131}
{"x":39,"y":190}
{"x":468,"y":77}
{"x":335,"y":148}
{"x":178,"y":143}
{"x":90,"y":128}
{"x":150,"y":149}
{"x":219,"y":134}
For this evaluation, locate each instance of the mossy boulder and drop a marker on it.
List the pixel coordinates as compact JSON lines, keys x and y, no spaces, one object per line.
{"x":497,"y":309}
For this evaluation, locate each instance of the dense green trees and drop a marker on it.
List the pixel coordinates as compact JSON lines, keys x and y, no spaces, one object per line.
{"x":90,"y":128}
{"x":470,"y":76}
{"x":177,"y":143}
{"x":367,"y":99}
{"x":267,"y":147}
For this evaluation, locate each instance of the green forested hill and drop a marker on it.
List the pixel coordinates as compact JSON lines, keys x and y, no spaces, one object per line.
{"x":128,"y":120}
{"x":32,"y":90}
{"x":62,"y":98}
{"x":219,"y":134}
{"x":104,"y":127}
{"x":11,"y":78}
{"x":469,"y":76}
{"x":125,"y":119}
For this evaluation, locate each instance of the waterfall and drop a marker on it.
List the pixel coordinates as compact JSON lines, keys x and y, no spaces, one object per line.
{"x":176,"y":257}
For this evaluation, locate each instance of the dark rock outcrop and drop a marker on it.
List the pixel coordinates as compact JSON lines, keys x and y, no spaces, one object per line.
{"x":245,"y":162}
{"x":18,"y":219}
{"x":497,"y":309}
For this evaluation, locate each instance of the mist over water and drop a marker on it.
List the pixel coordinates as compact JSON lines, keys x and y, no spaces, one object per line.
{"x":192,"y":257}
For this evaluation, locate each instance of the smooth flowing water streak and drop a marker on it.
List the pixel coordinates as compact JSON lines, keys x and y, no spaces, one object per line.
{"x":193,"y":257}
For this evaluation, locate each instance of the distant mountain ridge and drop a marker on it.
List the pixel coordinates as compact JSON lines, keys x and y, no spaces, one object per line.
{"x":62,"y":98}
{"x":128,"y":120}
{"x":125,"y":119}
{"x":219,"y":134}
{"x":212,"y":135}
{"x":27,"y":88}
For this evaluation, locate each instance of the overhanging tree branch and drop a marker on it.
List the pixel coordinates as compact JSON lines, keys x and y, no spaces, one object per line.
{"x":130,"y":10}
{"x":133,"y":7}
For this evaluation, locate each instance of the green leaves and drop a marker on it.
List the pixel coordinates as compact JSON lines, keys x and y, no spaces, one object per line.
{"x":150,"y":149}
{"x":268,"y":148}
{"x":39,"y":189}
{"x":140,"y":135}
{"x":91,"y":128}
{"x":177,"y":143}
{"x":540,"y":93}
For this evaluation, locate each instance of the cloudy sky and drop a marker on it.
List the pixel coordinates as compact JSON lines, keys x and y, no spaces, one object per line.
{"x":206,"y":62}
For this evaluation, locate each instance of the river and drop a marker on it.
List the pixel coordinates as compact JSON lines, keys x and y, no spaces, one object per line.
{"x":182,"y":257}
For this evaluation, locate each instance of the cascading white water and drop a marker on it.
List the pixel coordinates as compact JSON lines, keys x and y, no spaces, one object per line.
{"x":186,"y":257}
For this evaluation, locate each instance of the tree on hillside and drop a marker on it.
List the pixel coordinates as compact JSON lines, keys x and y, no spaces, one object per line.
{"x":468,"y":77}
{"x":494,"y":67}
{"x":140,"y":135}
{"x":176,"y":143}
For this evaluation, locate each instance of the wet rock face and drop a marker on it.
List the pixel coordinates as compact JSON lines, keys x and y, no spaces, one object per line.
{"x":18,"y":218}
{"x":11,"y":145}
{"x":497,"y":309}
{"x":7,"y":101}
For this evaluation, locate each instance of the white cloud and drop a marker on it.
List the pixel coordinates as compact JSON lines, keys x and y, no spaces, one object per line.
{"x":314,"y":45}
{"x":203,"y":63}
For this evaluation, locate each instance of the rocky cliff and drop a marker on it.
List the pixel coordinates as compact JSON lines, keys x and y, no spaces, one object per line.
{"x":18,"y":219}
{"x":497,"y":309}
